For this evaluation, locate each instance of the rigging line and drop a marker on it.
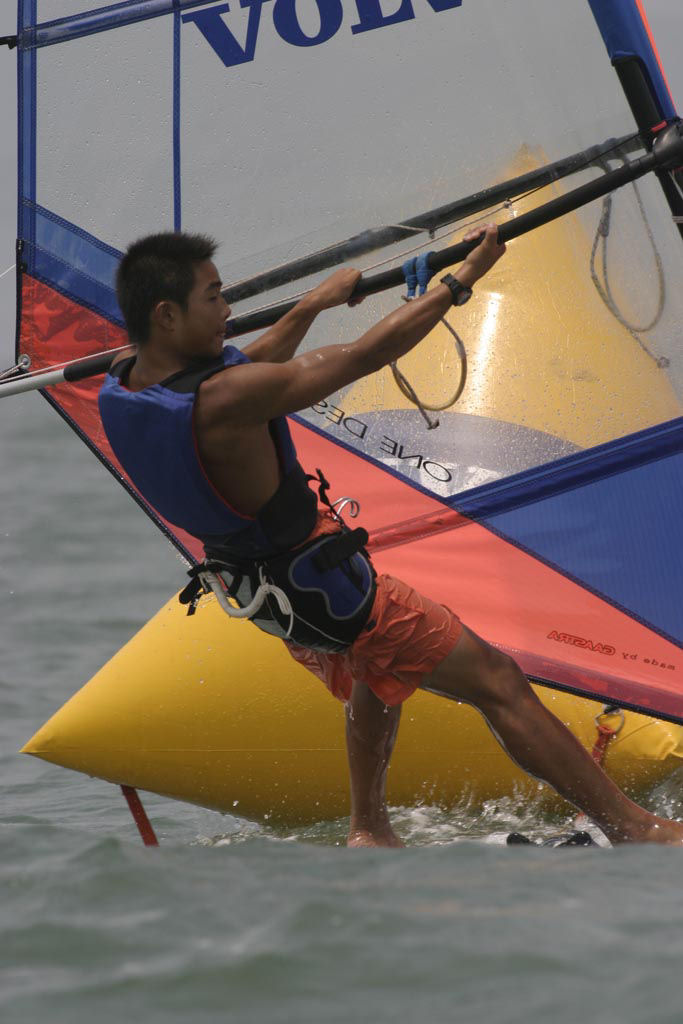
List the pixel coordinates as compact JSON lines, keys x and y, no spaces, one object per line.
{"x":406,"y":388}
{"x":295,"y":296}
{"x":604,"y":290}
{"x":674,"y":179}
{"x":8,"y":270}
{"x":378,"y":238}
{"x":660,"y":274}
{"x":406,"y":227}
{"x":600,"y":162}
{"x":408,"y":391}
{"x":667,"y":152}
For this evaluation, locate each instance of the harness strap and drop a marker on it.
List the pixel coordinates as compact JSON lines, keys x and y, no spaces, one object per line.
{"x":338,"y":548}
{"x":189,"y":595}
{"x":323,"y":487}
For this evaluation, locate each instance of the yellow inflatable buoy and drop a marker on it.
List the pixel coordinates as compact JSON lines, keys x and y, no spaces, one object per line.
{"x":212,"y":711}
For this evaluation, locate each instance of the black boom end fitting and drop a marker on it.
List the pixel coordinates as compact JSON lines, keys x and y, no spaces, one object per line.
{"x":668,"y":147}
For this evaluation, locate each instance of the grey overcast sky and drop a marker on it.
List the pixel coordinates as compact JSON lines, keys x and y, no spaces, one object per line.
{"x":665,"y":16}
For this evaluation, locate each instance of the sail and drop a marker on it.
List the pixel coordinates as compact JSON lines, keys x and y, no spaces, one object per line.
{"x":544,"y":508}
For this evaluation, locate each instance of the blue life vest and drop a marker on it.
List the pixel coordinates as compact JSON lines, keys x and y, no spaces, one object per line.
{"x":152,"y":435}
{"x":329,"y":580}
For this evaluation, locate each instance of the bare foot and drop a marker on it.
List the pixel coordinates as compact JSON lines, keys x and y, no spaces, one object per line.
{"x":646,"y":828}
{"x":663,"y":831}
{"x":360,"y":837}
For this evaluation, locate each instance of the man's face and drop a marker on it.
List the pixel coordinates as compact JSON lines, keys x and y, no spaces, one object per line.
{"x":201,"y":327}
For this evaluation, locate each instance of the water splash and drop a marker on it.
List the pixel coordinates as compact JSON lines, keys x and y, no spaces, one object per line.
{"x":426,"y":825}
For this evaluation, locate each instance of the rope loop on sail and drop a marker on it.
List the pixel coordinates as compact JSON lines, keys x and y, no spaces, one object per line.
{"x":418,"y":273}
{"x":603,"y":287}
{"x":408,"y":391}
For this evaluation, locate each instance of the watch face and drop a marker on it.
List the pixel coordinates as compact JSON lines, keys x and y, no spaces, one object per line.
{"x":463,"y":296}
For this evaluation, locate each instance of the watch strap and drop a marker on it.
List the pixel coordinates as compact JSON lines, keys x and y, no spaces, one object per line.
{"x":460,"y":292}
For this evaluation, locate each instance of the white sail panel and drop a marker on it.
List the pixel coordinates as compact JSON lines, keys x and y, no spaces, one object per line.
{"x":284,"y":127}
{"x":105,"y":131}
{"x":372,"y":127}
{"x":320,"y":138}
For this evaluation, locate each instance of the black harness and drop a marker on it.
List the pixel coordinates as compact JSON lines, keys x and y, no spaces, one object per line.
{"x":328,"y":584}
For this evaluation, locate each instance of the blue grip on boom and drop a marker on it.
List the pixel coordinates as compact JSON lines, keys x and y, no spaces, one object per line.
{"x":417,"y":273}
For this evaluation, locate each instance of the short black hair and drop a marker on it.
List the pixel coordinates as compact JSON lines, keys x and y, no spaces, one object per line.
{"x":157,"y":268}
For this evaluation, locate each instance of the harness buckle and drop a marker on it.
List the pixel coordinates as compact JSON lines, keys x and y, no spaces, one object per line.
{"x":199,"y":583}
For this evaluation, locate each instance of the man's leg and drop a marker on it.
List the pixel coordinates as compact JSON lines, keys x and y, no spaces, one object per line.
{"x":371,"y":730}
{"x":478,"y":674}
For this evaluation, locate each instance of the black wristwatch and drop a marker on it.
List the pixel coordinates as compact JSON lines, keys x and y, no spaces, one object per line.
{"x":460,"y":292}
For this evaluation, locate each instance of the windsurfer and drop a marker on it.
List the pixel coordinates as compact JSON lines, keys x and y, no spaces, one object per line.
{"x":201,"y":430}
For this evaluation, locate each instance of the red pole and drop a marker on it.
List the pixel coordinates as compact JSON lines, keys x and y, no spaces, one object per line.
{"x":140,"y":816}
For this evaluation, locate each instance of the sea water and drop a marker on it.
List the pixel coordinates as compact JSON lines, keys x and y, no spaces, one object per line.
{"x":232,"y":921}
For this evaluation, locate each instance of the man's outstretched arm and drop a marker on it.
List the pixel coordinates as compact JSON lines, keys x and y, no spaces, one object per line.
{"x":281,"y":341}
{"x":254,"y":393}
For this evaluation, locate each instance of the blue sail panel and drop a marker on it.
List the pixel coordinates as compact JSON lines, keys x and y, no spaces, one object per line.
{"x":618,"y":535}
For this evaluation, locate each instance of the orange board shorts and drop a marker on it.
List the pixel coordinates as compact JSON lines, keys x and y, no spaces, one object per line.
{"x":409,"y":636}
